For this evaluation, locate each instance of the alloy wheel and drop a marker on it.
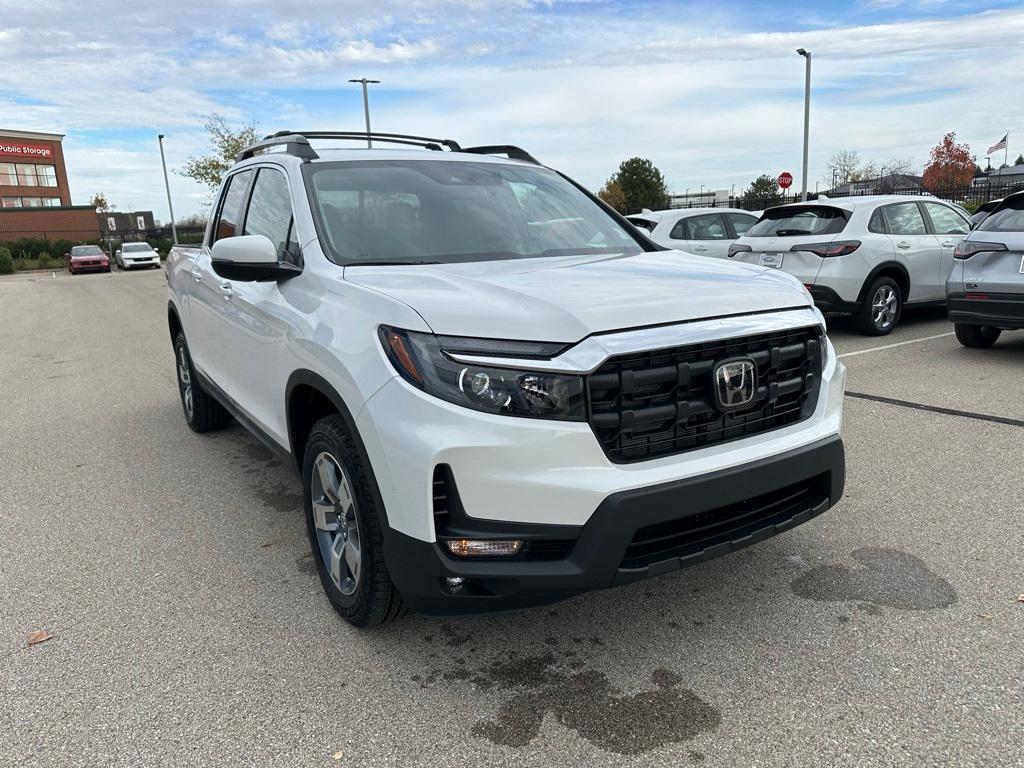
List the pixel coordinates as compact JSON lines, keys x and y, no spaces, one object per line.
{"x":884,"y":306}
{"x":337,"y":527}
{"x":185,"y":381}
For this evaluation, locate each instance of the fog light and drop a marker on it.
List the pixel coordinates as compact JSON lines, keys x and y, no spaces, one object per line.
{"x":478,"y":548}
{"x":455,"y":583}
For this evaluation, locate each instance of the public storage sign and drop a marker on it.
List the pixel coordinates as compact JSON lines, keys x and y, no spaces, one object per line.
{"x":23,"y":150}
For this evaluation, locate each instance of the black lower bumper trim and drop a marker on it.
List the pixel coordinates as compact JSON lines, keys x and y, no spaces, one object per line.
{"x":631,"y":535}
{"x":1001,"y":310}
{"x":827,"y":300}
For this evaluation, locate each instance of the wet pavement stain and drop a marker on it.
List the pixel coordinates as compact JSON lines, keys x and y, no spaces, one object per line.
{"x":283,"y":498}
{"x":889,"y":578}
{"x":586,"y":702}
{"x":582,"y":700}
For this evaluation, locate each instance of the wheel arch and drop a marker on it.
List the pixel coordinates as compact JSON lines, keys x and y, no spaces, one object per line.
{"x":892,"y":269}
{"x":174,"y":321}
{"x":308,"y":398}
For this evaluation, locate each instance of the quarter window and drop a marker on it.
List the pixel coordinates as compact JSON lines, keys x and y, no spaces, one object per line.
{"x":231,"y":207}
{"x":270,"y":212}
{"x":740,"y":222}
{"x":877,"y":223}
{"x":946,"y":220}
{"x":905,"y":219}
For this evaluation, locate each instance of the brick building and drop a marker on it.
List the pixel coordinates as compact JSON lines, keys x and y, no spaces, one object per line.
{"x":35,"y":200}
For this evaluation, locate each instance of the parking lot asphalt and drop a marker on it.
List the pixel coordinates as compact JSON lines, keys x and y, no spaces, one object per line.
{"x":189,"y":627}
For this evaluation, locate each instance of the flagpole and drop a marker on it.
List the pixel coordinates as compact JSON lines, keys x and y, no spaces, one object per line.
{"x":1006,"y":150}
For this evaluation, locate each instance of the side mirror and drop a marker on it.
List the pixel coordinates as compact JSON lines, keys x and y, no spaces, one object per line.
{"x":250,"y":258}
{"x":67,"y":255}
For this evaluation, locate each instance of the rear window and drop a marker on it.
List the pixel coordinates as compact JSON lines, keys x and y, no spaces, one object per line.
{"x":647,"y":224}
{"x":793,"y":221}
{"x":1009,"y":218}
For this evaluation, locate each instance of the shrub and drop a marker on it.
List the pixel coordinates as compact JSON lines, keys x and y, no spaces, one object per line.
{"x":6,"y":262}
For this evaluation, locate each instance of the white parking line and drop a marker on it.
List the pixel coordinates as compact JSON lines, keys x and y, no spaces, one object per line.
{"x":898,"y":344}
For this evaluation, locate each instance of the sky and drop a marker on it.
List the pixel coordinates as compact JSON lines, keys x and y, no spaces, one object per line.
{"x":712,"y":93}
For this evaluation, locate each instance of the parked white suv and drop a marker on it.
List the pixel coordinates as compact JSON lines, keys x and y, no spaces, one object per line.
{"x":132,"y":255}
{"x":497,"y":393}
{"x":867,"y":256}
{"x":703,"y":231}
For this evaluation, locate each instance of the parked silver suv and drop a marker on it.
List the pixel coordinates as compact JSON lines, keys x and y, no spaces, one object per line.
{"x":985,"y":290}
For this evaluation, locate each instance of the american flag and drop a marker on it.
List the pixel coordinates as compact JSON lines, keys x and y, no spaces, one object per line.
{"x":1001,"y":144}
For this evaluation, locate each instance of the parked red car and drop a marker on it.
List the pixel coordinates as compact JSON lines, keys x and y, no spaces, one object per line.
{"x":86,"y":258}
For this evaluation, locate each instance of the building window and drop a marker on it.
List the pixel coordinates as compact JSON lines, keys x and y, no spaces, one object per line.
{"x":31,"y":202}
{"x":8,"y":178}
{"x":46,"y":175}
{"x":26,"y":175}
{"x":11,"y":202}
{"x":51,"y":202}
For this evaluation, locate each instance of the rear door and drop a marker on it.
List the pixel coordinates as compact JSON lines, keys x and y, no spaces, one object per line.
{"x":950,"y":227}
{"x":207,"y":298}
{"x":916,"y":248}
{"x":704,"y":234}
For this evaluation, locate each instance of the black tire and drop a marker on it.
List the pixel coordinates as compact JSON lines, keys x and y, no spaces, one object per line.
{"x":375,"y":600}
{"x":207,"y":415}
{"x":977,"y":336}
{"x":120,"y":266}
{"x":864,"y":318}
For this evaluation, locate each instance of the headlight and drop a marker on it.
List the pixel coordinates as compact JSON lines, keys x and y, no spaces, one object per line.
{"x":424,"y":360}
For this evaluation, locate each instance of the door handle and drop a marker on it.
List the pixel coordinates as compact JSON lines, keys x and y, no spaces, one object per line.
{"x":948,"y":244}
{"x":226,"y":291}
{"x":197,"y":275}
{"x":700,"y":247}
{"x":902,"y":244}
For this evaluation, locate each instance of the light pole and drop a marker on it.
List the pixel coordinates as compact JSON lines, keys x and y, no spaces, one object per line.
{"x":366,"y":106}
{"x":700,"y":195}
{"x":167,"y":186}
{"x":807,"y":117}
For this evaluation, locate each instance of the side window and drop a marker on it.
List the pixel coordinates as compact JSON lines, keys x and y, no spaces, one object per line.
{"x":707,"y":227}
{"x":270,"y":212}
{"x":877,"y":223}
{"x":231,"y":205}
{"x":740,"y":222}
{"x":905,"y":219}
{"x":946,"y":220}
{"x":679,"y":231}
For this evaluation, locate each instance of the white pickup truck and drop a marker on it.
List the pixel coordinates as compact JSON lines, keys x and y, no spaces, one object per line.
{"x":496,"y":391}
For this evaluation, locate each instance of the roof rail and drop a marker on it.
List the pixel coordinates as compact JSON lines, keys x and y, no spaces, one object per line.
{"x":294,"y":145}
{"x":510,"y":151}
{"x":387,"y":138}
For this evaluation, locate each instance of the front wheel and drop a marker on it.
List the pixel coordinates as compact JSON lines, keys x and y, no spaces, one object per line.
{"x":345,"y":527}
{"x":202,"y":412}
{"x":977,"y":336}
{"x":882,"y":308}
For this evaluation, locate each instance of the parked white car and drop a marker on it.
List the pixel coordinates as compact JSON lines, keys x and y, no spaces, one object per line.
{"x":703,"y":231}
{"x":866,"y":256}
{"x":496,"y":391}
{"x":136,"y":255}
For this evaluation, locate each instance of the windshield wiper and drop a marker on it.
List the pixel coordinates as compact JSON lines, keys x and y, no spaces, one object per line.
{"x":389,"y":263}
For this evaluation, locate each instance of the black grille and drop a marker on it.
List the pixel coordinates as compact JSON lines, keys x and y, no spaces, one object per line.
{"x":658,"y":403}
{"x":687,"y":535}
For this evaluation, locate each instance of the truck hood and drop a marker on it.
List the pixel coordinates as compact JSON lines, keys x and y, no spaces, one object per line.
{"x":568,"y":298}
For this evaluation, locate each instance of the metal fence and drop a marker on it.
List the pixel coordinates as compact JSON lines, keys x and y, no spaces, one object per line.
{"x":969,"y":196}
{"x":160,"y":237}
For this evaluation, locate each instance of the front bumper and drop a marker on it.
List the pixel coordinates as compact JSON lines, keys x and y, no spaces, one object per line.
{"x":91,"y":267}
{"x":1001,"y":310}
{"x":154,"y":261}
{"x":632,"y":535}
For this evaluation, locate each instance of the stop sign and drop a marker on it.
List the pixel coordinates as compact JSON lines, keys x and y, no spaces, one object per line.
{"x":785,"y":179}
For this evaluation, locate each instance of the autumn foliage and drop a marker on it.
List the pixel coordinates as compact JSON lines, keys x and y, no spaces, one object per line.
{"x":951,"y":165}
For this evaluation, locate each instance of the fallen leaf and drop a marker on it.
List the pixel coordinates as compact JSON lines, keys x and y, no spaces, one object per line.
{"x":39,"y":636}
{"x":984,"y":615}
{"x":338,"y":755}
{"x":1020,"y":597}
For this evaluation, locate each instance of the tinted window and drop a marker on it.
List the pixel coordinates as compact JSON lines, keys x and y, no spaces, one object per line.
{"x":792,"y":221}
{"x":740,"y":222}
{"x":679,"y":231}
{"x":270,"y":211}
{"x":1009,"y":218}
{"x":707,"y":227}
{"x":946,"y":220}
{"x":231,"y":207}
{"x":905,"y":219}
{"x":877,"y":223}
{"x":445,"y":211}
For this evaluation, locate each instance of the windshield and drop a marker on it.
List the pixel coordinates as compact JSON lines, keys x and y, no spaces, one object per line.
{"x":1009,"y":218}
{"x":793,"y":221}
{"x":86,"y":250}
{"x":135,"y":247}
{"x":441,"y":211}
